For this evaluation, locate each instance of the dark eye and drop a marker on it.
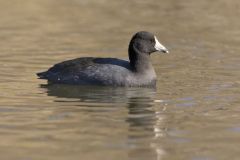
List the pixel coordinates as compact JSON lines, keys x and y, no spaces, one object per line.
{"x":152,"y":41}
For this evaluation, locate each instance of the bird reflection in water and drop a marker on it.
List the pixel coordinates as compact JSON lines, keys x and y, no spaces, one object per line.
{"x":143,"y":119}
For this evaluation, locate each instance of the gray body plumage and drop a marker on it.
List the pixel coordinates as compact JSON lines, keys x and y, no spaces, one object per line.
{"x":98,"y":71}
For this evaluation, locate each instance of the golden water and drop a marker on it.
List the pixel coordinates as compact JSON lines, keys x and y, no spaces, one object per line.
{"x":193,"y":115}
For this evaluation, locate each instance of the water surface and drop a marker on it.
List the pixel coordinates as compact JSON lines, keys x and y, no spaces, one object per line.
{"x":192,"y":115}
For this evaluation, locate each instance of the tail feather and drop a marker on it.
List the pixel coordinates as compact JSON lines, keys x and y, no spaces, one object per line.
{"x":42,"y":75}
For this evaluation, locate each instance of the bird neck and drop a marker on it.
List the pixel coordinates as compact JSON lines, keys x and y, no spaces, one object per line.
{"x":140,"y":62}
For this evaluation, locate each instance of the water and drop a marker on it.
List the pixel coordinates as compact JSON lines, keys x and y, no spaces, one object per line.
{"x":192,"y":115}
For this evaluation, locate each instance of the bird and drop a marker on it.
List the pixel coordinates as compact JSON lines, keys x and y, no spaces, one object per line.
{"x":137,"y":72}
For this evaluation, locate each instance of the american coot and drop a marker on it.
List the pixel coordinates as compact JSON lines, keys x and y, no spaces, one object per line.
{"x":139,"y":72}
